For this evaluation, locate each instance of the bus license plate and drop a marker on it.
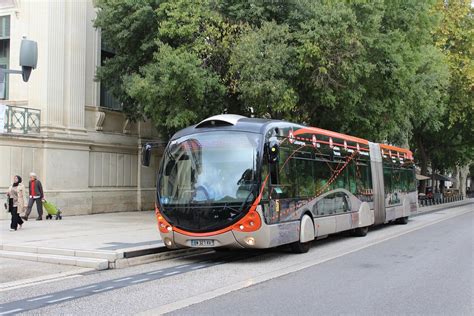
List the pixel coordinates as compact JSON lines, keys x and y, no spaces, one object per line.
{"x":202,"y":243}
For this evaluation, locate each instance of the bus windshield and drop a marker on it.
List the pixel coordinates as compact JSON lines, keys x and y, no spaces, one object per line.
{"x":209,"y":167}
{"x":207,"y":178}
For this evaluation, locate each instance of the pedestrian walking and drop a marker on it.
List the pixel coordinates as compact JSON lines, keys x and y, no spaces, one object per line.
{"x":16,"y":202}
{"x":36,"y":196}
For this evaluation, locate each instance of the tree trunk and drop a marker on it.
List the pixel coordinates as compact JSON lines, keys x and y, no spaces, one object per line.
{"x":463,"y":172}
{"x":423,"y":164}
{"x":458,"y":178}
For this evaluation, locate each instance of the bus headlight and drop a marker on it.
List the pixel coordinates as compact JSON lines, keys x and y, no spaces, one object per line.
{"x":168,"y":242}
{"x":250,"y":241}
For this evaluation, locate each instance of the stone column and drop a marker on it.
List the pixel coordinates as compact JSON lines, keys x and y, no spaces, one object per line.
{"x":75,"y":64}
{"x":55,"y":63}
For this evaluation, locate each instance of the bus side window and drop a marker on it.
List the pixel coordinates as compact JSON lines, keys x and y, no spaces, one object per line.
{"x":387,"y":179}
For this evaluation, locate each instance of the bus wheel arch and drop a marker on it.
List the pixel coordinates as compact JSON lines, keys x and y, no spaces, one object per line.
{"x":307,"y":234}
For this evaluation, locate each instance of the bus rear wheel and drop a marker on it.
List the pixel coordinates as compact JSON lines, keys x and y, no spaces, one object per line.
{"x":402,"y":220}
{"x":360,"y":231}
{"x":299,"y":247}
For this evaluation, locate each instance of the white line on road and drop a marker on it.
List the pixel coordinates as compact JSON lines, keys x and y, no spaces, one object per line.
{"x":198,"y":267}
{"x":103,"y":289}
{"x":140,"y":280}
{"x":60,"y":299}
{"x":183,"y":266}
{"x":40,"y":298}
{"x":11,"y":311}
{"x":85,"y":288}
{"x":124,"y":279}
{"x":154,"y":272}
{"x":172,"y":272}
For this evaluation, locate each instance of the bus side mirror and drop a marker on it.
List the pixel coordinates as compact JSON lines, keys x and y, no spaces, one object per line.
{"x":273,"y":151}
{"x":146,"y":155}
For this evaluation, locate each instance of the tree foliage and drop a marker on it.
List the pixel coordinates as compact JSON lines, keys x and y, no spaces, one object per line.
{"x":394,"y":71}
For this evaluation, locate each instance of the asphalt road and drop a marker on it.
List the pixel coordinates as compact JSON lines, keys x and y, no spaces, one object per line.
{"x":425,"y":267}
{"x":429,"y":272}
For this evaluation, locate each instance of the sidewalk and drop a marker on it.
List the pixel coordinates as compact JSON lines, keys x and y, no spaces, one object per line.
{"x":91,"y":241}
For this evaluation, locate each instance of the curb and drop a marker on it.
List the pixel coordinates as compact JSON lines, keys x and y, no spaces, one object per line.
{"x":438,"y":207}
{"x":163,"y":255}
{"x":95,"y":259}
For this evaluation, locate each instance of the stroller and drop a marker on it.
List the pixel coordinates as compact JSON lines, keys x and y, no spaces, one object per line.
{"x":52,"y":210}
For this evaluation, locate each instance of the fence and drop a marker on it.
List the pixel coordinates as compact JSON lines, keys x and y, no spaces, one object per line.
{"x":19,"y":120}
{"x":439,"y":199}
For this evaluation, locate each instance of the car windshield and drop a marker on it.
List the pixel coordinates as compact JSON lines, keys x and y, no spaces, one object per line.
{"x":209,"y":168}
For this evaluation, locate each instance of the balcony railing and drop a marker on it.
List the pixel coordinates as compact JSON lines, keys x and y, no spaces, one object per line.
{"x":19,"y":120}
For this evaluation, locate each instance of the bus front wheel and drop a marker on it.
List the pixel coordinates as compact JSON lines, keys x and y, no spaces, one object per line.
{"x":299,"y":247}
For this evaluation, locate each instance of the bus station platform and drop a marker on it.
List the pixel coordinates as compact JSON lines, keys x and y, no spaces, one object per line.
{"x":102,"y":241}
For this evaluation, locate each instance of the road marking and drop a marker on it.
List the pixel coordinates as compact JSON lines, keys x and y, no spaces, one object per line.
{"x":85,"y":288}
{"x":177,"y":305}
{"x":60,"y":299}
{"x":154,"y":272}
{"x":40,"y":298}
{"x":183,"y":266}
{"x":103,"y":289}
{"x":198,"y":267}
{"x":140,"y":280}
{"x":31,"y":282}
{"x":124,"y":279}
{"x":172,"y":272}
{"x":11,"y":311}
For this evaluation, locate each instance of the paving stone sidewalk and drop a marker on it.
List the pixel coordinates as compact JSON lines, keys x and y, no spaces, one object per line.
{"x":101,"y":236}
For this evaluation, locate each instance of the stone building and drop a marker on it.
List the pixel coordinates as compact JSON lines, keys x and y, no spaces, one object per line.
{"x":62,"y":124}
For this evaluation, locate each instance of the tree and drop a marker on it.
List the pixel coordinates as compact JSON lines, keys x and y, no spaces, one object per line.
{"x":365,"y":69}
{"x":262,"y":68}
{"x":455,"y":38}
{"x":167,"y":63}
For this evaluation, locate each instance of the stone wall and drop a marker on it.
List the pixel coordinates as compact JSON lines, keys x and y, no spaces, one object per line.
{"x":87,"y":157}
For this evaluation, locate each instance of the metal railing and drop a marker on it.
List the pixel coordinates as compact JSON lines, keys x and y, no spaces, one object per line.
{"x":439,"y":199}
{"x":19,"y":120}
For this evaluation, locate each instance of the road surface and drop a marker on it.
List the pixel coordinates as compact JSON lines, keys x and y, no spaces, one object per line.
{"x":425,"y":267}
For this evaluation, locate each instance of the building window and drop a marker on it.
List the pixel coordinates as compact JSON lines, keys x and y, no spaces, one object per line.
{"x":4,"y":54}
{"x":107,"y":100}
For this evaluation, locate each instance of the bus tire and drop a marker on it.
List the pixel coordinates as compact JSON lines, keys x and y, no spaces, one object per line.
{"x":360,"y":231}
{"x":402,"y":220}
{"x":299,"y":247}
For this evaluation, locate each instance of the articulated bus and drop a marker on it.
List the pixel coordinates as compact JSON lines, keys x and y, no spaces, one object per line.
{"x":237,"y":182}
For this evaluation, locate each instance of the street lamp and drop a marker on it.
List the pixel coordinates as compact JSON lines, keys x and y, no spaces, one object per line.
{"x":28,"y":60}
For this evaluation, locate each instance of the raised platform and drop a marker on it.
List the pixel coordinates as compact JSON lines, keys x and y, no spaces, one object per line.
{"x":99,"y":241}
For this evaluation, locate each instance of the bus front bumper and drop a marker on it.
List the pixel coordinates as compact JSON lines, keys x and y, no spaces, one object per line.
{"x":266,"y":237}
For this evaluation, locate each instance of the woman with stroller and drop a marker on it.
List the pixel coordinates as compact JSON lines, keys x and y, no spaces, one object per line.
{"x":16,"y":202}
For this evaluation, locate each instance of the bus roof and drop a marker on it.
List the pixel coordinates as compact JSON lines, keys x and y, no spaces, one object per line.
{"x":233,"y":122}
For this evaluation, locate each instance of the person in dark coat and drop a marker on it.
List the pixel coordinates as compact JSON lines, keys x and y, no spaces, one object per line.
{"x":16,"y":202}
{"x":35,"y":189}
